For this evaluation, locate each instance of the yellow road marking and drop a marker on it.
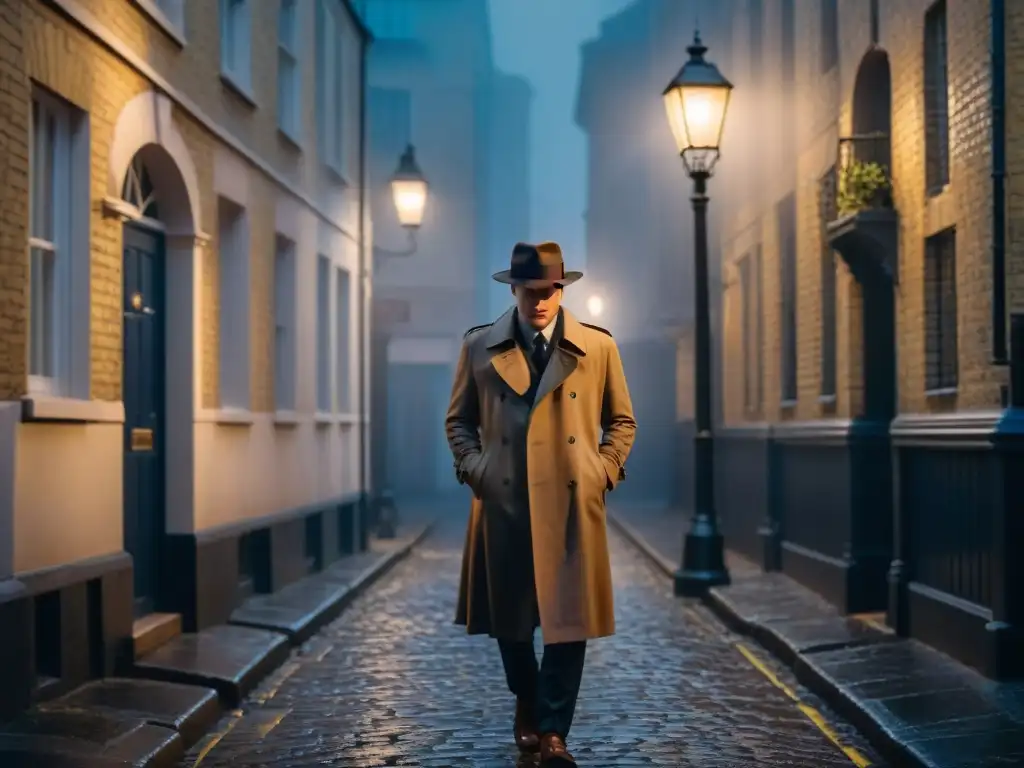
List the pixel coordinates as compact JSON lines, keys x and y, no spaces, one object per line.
{"x":264,"y":728}
{"x":855,"y":757}
{"x":215,"y":738}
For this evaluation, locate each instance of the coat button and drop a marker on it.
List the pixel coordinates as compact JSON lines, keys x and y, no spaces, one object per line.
{"x":572,"y":395}
{"x":571,"y":439}
{"x":572,"y":484}
{"x":501,"y":396}
{"x":505,"y":481}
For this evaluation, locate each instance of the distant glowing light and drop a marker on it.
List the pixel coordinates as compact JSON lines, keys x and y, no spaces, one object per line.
{"x":595,"y":306}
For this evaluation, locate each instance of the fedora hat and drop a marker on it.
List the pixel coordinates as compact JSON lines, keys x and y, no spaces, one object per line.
{"x":536,"y":265}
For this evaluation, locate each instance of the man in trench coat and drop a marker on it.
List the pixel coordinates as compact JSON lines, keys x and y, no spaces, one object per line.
{"x":540,"y":424}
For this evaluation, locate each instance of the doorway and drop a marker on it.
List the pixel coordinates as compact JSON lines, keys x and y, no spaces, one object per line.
{"x":143,"y":395}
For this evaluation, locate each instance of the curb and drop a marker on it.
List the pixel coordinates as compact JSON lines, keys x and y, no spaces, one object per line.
{"x":806,"y":671}
{"x":329,"y":613}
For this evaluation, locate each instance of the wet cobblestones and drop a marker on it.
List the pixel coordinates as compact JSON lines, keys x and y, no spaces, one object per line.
{"x":394,"y":683}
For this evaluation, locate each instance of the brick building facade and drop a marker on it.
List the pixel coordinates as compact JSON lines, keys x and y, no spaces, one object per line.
{"x":182,"y":254}
{"x":866,"y":382}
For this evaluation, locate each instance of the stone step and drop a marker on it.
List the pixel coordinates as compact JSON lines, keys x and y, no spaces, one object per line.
{"x":190,"y":710}
{"x":153,"y":630}
{"x":86,"y":739}
{"x":229,"y":659}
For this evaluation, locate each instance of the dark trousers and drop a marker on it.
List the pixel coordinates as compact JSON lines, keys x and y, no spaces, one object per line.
{"x":552,"y":686}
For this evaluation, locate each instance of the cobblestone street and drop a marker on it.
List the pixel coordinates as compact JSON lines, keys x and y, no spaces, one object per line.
{"x":394,"y":683}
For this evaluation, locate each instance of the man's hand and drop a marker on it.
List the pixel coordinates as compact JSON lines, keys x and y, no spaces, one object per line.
{"x":617,"y":420}
{"x":462,"y":423}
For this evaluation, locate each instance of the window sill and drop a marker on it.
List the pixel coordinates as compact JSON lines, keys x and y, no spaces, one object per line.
{"x":941,"y":392}
{"x":788,"y":405}
{"x":234,"y":84}
{"x":325,"y":419}
{"x":71,"y":410}
{"x":226,"y":417}
{"x":826,"y":399}
{"x":158,"y":17}
{"x":287,"y":418}
{"x":289,"y":139}
{"x":349,"y":419}
{"x":337,"y":174}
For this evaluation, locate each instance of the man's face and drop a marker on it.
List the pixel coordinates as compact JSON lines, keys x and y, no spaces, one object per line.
{"x":538,"y":306}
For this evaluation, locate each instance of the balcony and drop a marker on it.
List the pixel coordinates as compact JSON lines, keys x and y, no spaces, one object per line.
{"x":865,"y":232}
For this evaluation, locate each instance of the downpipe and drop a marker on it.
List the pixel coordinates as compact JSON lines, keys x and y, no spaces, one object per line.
{"x":364,"y":421}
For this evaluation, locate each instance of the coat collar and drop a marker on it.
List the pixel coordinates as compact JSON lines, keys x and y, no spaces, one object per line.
{"x":510,"y":363}
{"x":503,"y":332}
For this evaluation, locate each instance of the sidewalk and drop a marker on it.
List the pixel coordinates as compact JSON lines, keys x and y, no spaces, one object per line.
{"x":918,"y":706}
{"x":174,"y":694}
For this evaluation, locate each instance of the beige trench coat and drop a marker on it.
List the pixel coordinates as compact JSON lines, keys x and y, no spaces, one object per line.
{"x":539,"y":476}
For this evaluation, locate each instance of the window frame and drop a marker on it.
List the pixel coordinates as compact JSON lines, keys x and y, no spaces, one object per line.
{"x":235,"y":21}
{"x":941,"y":308}
{"x":234,"y":381}
{"x":330,"y":89}
{"x":289,"y":71}
{"x":935,"y":101}
{"x":324,"y":347}
{"x":285,"y":319}
{"x":68,"y":181}
{"x":342,"y":344}
{"x":828,"y":288}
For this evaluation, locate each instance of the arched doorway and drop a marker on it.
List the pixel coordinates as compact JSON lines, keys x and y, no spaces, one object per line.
{"x":874,"y":264}
{"x":143,"y":380}
{"x":152,"y":189}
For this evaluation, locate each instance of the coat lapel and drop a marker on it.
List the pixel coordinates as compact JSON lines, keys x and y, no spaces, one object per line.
{"x":506,"y":356}
{"x":570,"y":346}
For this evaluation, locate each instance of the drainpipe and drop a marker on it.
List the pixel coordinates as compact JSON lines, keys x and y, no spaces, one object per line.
{"x":364,"y":423}
{"x":998,"y":24}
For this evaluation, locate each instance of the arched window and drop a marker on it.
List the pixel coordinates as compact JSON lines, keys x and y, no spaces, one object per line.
{"x":138,"y":190}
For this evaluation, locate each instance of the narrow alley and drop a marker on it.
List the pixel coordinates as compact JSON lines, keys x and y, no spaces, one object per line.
{"x":393,"y":683}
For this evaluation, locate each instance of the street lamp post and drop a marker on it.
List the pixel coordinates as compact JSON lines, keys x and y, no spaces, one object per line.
{"x":696,"y":101}
{"x":409,"y":193}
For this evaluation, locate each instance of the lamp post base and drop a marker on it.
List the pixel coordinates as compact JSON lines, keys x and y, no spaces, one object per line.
{"x":385,"y":515}
{"x":703,"y":562}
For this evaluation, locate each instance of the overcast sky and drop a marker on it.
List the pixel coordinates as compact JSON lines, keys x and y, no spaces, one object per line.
{"x":540,"y":40}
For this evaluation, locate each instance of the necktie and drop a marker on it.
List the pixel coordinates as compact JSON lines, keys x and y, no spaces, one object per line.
{"x":540,"y":353}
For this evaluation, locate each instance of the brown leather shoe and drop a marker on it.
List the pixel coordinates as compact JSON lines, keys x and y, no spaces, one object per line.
{"x":525,"y":727}
{"x":553,"y":753}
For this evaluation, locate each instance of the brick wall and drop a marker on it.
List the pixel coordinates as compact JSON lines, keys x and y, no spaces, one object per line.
{"x":823,"y":112}
{"x":40,"y":44}
{"x":13,"y":203}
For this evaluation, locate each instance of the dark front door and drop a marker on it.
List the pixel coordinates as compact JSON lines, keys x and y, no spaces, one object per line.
{"x":419,"y":462}
{"x":143,"y":394}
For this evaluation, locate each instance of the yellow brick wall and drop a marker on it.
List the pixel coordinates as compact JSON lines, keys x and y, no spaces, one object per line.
{"x":14,"y":117}
{"x":824,"y":112}
{"x":64,"y":58}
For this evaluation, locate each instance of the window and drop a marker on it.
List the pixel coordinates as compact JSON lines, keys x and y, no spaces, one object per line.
{"x":787,"y":279}
{"x":827,"y":213}
{"x":940,"y":312}
{"x":235,"y":35}
{"x":323,"y":334}
{"x":329,"y":88}
{"x":936,"y":99}
{"x":342,"y":363}
{"x":288,"y":72}
{"x":750,"y":331}
{"x":233,"y":244}
{"x":284,"y":324}
{"x":58,"y":176}
{"x":829,"y":34}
